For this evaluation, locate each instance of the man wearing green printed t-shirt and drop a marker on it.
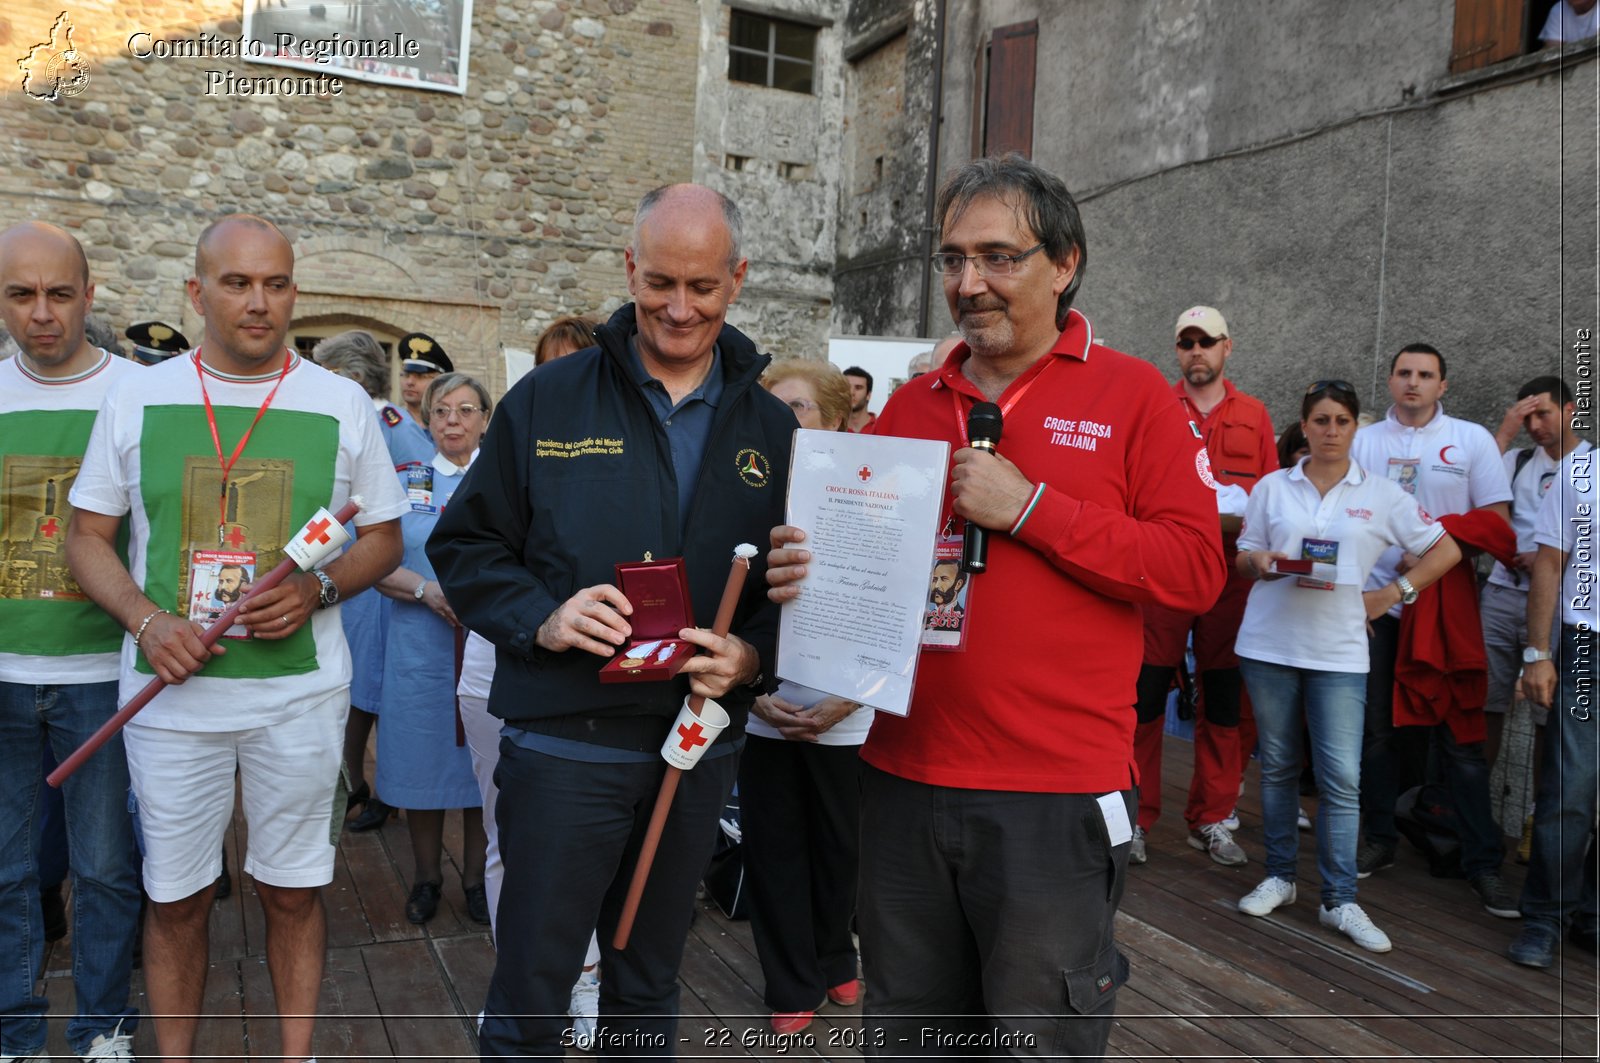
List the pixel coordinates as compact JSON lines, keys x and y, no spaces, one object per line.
{"x":218,"y":457}
{"x":58,"y":659}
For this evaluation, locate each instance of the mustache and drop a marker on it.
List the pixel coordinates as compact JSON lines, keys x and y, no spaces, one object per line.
{"x":970,"y":304}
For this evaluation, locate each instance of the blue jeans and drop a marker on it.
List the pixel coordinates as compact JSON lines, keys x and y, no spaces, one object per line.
{"x":105,"y":905}
{"x":1335,"y":708}
{"x":1561,"y":877}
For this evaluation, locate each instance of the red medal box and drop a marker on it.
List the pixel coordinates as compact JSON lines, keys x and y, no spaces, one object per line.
{"x":659,"y":593}
{"x":1292,"y":567}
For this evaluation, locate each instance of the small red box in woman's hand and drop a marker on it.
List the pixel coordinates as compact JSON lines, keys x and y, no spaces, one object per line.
{"x":659,"y":593}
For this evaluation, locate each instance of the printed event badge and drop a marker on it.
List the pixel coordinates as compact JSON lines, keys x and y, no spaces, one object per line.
{"x":1321,"y":552}
{"x":419,"y":488}
{"x":948,"y":609}
{"x":1403,"y":471}
{"x":217,"y":579}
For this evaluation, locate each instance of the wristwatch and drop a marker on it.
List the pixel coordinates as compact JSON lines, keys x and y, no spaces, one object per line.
{"x":1531,"y":655}
{"x":421,"y":592}
{"x":330,"y":589}
{"x":1408,"y":593}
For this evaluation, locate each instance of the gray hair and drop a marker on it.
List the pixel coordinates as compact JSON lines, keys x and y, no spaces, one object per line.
{"x":445,"y":383}
{"x":1047,"y":206}
{"x":731,"y":217}
{"x":357,"y":355}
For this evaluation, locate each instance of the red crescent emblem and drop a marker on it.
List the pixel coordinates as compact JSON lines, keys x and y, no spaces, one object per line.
{"x":1444,"y":453}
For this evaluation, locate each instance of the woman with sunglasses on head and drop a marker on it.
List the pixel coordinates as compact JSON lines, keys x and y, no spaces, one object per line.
{"x":1303,"y":641}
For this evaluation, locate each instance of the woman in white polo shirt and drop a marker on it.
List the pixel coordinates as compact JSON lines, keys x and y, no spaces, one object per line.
{"x":1304,"y":639}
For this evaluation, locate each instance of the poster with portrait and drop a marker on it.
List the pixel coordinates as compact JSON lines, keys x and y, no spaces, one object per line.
{"x":421,"y":44}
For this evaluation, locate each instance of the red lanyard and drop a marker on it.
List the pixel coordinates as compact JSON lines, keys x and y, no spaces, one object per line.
{"x":1005,"y":411}
{"x":1005,"y":407}
{"x":216,"y":440}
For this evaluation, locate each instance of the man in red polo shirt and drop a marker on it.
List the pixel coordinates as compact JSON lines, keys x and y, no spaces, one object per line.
{"x":997,"y":816}
{"x":1242,"y":449}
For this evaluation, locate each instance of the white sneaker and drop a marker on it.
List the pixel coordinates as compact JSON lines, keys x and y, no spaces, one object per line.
{"x":113,"y":1045}
{"x":1231,"y":820}
{"x":1302,"y":820}
{"x":584,"y":1009}
{"x":1272,"y":893}
{"x":1350,"y":920}
{"x":1216,"y":839}
{"x":1136,"y":853}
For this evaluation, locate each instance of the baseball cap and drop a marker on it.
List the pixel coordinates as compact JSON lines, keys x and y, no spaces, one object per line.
{"x":1205,"y":318}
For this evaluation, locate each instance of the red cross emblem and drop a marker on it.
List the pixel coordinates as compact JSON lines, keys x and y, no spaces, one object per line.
{"x":864,"y":473}
{"x":317,"y":531}
{"x":693,"y":735}
{"x":235,"y":536}
{"x":49,"y":528}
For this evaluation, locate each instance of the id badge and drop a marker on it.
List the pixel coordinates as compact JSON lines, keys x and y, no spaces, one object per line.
{"x":948,"y":608}
{"x":1322,"y":552}
{"x":217,"y":579}
{"x":419,"y":488}
{"x":1403,"y":471}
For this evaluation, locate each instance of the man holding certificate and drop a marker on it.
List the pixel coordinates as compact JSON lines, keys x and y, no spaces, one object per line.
{"x":997,"y":813}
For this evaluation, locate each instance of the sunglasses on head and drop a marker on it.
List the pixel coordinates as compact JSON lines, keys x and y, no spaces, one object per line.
{"x":1331,"y":385}
{"x":1206,"y":342}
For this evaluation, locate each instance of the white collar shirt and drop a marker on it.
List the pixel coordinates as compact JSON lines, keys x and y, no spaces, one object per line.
{"x":1448,"y":465}
{"x":1566,"y":521}
{"x":1299,"y":626}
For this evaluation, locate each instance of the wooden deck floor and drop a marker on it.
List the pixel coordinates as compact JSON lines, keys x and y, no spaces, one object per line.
{"x":1208,"y":983}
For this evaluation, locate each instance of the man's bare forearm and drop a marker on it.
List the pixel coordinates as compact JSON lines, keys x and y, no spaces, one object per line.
{"x":1548,"y":564}
{"x":101,"y":573}
{"x":376,"y":552}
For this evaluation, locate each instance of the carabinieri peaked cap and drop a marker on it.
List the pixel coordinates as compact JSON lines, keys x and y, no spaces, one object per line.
{"x":421,"y":353}
{"x":155,"y":341}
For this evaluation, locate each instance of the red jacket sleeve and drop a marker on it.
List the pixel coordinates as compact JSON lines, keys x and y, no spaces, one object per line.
{"x":1165,"y":546}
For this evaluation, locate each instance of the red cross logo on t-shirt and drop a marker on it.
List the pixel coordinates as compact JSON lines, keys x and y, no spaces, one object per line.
{"x":49,"y":528}
{"x":317,"y":531}
{"x":235,"y":536}
{"x":693,"y":735}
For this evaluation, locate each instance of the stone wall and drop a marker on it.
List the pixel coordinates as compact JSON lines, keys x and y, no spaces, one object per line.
{"x":477,"y":218}
{"x":776,"y":153}
{"x":1319,"y":177}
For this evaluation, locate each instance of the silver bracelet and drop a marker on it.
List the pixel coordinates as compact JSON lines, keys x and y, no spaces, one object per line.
{"x":137,"y":635}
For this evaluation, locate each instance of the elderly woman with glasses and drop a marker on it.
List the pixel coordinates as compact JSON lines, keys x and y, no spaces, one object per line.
{"x":800,"y":795}
{"x":1312,"y":533}
{"x":423,"y":763}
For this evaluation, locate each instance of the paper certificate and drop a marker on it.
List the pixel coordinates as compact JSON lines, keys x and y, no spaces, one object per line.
{"x":869,"y":506}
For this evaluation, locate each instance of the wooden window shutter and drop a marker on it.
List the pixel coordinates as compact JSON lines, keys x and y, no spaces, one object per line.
{"x":1487,"y":31}
{"x":1008,"y":111}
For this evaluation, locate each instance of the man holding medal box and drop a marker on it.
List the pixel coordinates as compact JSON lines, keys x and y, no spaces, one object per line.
{"x":227,"y":450}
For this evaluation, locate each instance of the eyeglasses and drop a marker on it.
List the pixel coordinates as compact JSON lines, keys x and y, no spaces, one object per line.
{"x":989,"y":263}
{"x":802,"y":405}
{"x":464,"y":411}
{"x":1331,"y":385}
{"x":1206,"y":342}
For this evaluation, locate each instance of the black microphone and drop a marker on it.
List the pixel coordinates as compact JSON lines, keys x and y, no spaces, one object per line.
{"x":983,"y":430}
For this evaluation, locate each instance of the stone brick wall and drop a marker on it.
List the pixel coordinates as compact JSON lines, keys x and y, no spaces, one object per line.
{"x":476,"y":218}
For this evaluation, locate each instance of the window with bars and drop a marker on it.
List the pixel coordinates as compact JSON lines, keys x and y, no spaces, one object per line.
{"x":771,"y":52}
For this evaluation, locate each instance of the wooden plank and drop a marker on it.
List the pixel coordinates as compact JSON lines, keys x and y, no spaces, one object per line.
{"x":348,"y":1025}
{"x":419,"y":1015}
{"x":468,"y":963}
{"x":379,"y":890}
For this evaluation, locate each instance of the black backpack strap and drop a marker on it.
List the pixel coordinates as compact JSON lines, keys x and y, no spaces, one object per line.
{"x":1524,"y":456}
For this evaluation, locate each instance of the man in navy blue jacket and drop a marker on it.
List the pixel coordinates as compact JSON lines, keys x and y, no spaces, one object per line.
{"x":657,"y":441}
